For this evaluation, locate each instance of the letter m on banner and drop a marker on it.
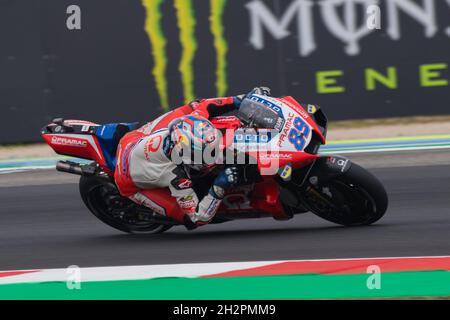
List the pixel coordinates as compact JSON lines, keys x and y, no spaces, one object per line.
{"x":262,"y":17}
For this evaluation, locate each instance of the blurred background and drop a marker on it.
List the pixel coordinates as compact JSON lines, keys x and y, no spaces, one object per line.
{"x":385,"y":92}
{"x":130,"y":60}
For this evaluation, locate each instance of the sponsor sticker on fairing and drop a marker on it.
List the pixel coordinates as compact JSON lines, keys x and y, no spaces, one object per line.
{"x":63,"y":141}
{"x":279,"y":125}
{"x":284,"y":156}
{"x":252,"y":136}
{"x":312,"y":109}
{"x":286,"y":129}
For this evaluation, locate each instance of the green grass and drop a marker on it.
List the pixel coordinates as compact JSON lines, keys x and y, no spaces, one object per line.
{"x":309,"y":286}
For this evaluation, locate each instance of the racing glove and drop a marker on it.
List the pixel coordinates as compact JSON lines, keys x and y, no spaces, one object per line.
{"x":226,"y":178}
{"x":257,"y":90}
{"x":265,"y":91}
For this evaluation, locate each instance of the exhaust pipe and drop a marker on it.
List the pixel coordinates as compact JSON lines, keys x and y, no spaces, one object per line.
{"x":69,"y":167}
{"x":79,"y":169}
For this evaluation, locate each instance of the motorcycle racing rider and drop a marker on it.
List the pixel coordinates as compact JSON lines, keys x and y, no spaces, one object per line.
{"x":161,"y":154}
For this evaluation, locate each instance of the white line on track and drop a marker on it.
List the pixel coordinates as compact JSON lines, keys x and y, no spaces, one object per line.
{"x":190,"y":270}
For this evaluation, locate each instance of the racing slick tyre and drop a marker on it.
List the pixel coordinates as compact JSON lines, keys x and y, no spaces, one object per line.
{"x":103,"y":199}
{"x":352,"y":199}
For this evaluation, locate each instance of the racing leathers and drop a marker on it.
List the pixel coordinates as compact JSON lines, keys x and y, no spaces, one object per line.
{"x":144,"y":163}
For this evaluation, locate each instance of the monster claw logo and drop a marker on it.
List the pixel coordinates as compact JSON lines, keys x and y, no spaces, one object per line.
{"x":158,"y":42}
{"x":217,"y":10}
{"x":186,"y":22}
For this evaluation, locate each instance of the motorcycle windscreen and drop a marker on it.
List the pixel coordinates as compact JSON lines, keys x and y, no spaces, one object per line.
{"x":261,"y":113}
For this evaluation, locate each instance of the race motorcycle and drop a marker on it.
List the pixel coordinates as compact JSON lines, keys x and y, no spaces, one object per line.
{"x":265,"y":130}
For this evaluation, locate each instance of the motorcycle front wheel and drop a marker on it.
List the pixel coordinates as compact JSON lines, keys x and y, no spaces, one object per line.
{"x":354,"y":198}
{"x":102,"y":198}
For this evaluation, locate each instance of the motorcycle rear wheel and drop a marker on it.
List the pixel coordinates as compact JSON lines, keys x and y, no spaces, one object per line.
{"x":352,"y":199}
{"x":102,"y":198}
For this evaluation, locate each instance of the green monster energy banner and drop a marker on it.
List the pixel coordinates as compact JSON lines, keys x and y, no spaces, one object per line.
{"x":186,"y":21}
{"x":129,"y":60}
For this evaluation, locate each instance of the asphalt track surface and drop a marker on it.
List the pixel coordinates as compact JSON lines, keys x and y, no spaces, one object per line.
{"x":45,"y":225}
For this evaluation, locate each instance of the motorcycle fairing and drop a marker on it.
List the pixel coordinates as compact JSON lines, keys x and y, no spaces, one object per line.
{"x":262,"y":198}
{"x":87,"y":140}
